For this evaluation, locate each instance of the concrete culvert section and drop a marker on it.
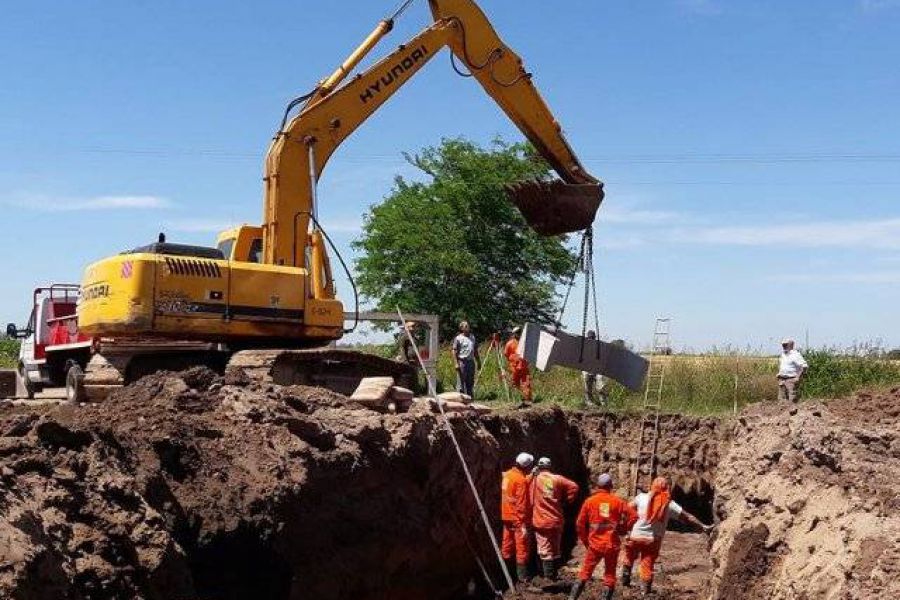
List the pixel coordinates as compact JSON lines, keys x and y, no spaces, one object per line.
{"x":198,"y":486}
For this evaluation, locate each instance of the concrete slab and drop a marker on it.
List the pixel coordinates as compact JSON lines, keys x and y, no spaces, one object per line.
{"x":544,"y":349}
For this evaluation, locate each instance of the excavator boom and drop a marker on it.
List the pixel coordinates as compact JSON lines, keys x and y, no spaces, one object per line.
{"x":334,"y":111}
{"x":550,"y":208}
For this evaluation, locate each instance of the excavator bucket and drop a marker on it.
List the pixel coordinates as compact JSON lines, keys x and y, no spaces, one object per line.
{"x":555,"y":207}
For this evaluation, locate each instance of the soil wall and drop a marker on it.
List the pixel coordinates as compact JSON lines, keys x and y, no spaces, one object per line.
{"x":188,"y":486}
{"x":808,"y":499}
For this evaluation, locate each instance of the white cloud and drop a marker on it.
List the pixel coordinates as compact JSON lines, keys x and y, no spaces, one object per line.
{"x":884,"y":233}
{"x":59,"y":204}
{"x":874,"y":277}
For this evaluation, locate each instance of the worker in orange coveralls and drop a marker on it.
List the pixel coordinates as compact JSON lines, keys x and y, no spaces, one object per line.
{"x":518,"y":366}
{"x":645,"y":539}
{"x":604,"y":517}
{"x":515,"y":513}
{"x":549,"y":492}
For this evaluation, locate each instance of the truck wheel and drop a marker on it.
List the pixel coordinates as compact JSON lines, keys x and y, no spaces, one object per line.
{"x":27,"y":384}
{"x":75,"y":384}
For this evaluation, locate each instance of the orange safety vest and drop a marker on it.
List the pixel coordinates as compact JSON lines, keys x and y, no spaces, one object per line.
{"x":548,"y":493}
{"x":514,"y":361}
{"x":514,"y":502}
{"x":603,"y":518}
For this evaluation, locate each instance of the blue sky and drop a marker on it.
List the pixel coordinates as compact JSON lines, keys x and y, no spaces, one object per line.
{"x":751,"y":149}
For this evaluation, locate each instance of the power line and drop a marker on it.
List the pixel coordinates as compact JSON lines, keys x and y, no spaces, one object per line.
{"x":675,"y":158}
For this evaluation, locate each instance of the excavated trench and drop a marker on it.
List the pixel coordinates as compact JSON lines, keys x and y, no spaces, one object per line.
{"x":194,"y":486}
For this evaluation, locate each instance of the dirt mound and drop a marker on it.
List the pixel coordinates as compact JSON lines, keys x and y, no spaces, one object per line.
{"x":182,"y":487}
{"x":197,"y":486}
{"x":809,"y":497}
{"x":870,"y":408}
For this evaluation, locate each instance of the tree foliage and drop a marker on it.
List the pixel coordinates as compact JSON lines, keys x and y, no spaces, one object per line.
{"x":456,"y":247}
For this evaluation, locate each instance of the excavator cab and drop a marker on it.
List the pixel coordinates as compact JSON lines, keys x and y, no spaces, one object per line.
{"x":243,"y":244}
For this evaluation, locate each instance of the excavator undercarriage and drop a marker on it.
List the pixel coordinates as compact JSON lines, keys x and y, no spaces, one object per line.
{"x":332,"y":368}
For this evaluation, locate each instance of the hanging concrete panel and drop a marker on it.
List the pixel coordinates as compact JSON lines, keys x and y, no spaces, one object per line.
{"x":544,"y":349}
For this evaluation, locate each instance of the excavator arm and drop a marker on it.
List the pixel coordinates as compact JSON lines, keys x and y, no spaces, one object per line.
{"x":301,"y":149}
{"x":502,"y":74}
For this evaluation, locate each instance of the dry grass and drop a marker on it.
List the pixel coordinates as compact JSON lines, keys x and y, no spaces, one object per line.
{"x":706,"y":384}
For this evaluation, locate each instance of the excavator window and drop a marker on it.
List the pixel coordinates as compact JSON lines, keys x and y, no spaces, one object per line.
{"x":225,"y":247}
{"x":255,"y":251}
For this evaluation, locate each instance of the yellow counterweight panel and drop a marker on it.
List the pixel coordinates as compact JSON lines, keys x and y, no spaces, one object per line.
{"x":182,"y":297}
{"x":190,"y":297}
{"x":117,"y":296}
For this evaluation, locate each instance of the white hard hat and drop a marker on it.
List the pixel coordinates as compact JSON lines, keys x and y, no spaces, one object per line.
{"x":524,"y":460}
{"x":787,"y":341}
{"x":544,"y":462}
{"x":605,"y":480}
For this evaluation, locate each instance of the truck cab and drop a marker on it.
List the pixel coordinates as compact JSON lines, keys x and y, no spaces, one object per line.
{"x":51,"y":344}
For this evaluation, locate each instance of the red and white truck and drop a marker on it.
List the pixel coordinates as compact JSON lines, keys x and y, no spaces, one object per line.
{"x":53,"y":352}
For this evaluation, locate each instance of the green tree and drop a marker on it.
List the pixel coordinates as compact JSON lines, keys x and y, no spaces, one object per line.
{"x":456,"y":247}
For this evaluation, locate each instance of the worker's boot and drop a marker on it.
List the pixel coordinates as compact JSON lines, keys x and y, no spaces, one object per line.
{"x":625,"y":578}
{"x":645,"y":588}
{"x":549,"y":569}
{"x":510,"y":567}
{"x":608,"y":593}
{"x":522,"y":572}
{"x":576,"y":590}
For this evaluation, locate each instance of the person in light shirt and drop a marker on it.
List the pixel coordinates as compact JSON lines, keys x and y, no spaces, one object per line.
{"x":791,"y":367}
{"x":466,"y":359}
{"x":654,"y":509}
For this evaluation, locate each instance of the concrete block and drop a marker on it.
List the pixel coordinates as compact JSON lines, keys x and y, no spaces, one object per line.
{"x":544,"y":349}
{"x":373,"y":391}
{"x":455,"y":397}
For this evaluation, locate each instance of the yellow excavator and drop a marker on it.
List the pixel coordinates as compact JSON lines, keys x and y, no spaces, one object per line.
{"x":264,"y":298}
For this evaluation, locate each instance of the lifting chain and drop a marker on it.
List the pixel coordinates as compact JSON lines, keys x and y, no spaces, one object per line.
{"x":584,"y":264}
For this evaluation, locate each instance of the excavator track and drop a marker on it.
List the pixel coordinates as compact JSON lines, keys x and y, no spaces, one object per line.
{"x":331,"y":368}
{"x":119,"y":364}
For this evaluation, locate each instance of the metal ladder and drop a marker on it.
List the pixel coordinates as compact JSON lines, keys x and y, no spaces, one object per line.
{"x":648,"y":436}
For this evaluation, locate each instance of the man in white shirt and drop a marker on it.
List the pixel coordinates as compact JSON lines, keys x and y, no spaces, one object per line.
{"x":645,"y":539}
{"x":791,"y":367}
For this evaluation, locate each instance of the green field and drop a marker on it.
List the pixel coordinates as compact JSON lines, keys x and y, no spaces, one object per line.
{"x":707,"y":384}
{"x":9,"y":350}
